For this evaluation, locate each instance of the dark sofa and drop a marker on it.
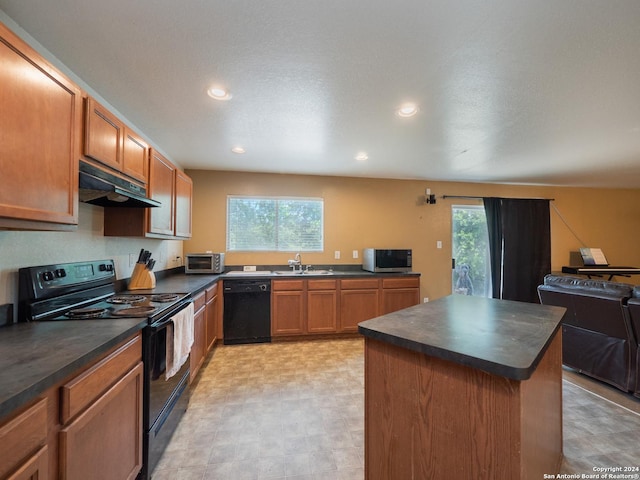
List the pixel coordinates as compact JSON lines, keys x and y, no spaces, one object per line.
{"x":633,"y":307}
{"x":597,"y":334}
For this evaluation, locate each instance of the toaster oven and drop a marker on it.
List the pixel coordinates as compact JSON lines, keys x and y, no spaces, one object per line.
{"x":204,"y":263}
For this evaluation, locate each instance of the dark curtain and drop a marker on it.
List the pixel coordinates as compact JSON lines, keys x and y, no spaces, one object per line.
{"x":519,"y":246}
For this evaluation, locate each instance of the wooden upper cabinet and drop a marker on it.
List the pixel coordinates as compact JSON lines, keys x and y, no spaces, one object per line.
{"x":103,"y":135}
{"x":184,"y":194}
{"x":135,"y":156}
{"x":40,"y":140}
{"x":161,"y":188}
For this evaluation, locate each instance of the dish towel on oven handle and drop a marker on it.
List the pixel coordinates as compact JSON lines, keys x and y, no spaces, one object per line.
{"x":179,"y":344}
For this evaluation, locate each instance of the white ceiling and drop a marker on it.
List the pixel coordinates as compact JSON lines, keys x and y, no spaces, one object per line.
{"x":516,"y":91}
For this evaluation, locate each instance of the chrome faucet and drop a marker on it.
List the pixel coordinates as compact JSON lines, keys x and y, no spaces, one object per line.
{"x":296,"y":261}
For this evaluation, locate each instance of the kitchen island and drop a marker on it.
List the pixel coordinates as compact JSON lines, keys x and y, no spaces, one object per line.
{"x":464,"y":387}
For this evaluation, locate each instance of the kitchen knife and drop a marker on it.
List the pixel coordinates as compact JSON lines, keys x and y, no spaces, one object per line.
{"x":151,"y":264}
{"x":141,"y":255}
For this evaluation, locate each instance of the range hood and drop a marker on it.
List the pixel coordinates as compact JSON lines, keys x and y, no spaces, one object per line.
{"x":105,"y":189}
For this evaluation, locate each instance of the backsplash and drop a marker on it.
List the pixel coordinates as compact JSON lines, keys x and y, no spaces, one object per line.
{"x":23,"y":249}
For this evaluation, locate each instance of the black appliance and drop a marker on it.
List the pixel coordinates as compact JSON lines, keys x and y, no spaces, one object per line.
{"x":106,"y":189}
{"x":247,"y":311}
{"x":86,"y":290}
{"x":387,"y":260}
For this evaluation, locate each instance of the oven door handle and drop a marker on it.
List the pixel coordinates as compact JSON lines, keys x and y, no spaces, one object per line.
{"x":156,"y":327}
{"x":162,"y":324}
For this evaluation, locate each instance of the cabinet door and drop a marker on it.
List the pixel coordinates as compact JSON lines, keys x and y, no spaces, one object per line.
{"x":399,"y":298}
{"x":40,"y":140}
{"x":287,"y":312}
{"x":20,"y":437}
{"x":105,"y":442}
{"x":357,"y":306}
{"x":199,"y":343}
{"x":103,"y":135}
{"x":322,"y":311}
{"x":36,"y":468}
{"x":184,"y":191}
{"x":135,"y":156}
{"x":212,"y":316}
{"x":161,"y":188}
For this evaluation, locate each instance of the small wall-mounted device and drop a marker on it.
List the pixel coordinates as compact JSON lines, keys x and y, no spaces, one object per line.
{"x":429,"y":198}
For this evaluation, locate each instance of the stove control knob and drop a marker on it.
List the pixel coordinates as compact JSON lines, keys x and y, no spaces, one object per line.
{"x":60,"y":273}
{"x":47,"y":276}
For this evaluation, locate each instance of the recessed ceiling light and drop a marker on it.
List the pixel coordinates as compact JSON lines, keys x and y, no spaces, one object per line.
{"x":362,"y":156}
{"x":219,"y":93}
{"x":408,"y":110}
{"x":238,"y":150}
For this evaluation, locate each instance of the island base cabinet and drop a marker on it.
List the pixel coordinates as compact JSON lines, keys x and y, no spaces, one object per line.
{"x":433,"y":419}
{"x":116,"y":452}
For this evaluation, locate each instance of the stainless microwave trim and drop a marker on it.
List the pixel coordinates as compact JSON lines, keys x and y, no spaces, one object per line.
{"x":370,"y":262}
{"x":99,"y":187}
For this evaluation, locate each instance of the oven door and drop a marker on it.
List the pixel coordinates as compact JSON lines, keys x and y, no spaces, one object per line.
{"x":166,"y":400}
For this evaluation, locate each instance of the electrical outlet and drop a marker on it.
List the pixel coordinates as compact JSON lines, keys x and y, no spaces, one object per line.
{"x":355,"y":254}
{"x":336,"y":254}
{"x":133,"y":258}
{"x":425,"y":300}
{"x":439,"y":244}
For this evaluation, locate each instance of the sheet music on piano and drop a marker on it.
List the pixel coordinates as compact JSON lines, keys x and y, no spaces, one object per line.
{"x":593,"y":256}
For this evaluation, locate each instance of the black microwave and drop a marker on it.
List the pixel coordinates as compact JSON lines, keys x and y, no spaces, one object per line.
{"x":386,"y":260}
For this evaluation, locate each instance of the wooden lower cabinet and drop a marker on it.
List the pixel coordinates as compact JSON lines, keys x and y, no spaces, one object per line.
{"x":357,"y":306}
{"x":331,"y":305}
{"x":322,"y":311}
{"x":87,"y":426}
{"x":287,"y":309}
{"x":35,"y":468}
{"x":198,"y":349}
{"x":23,"y":441}
{"x":105,"y":442}
{"x":399,"y":293}
{"x":211,"y":314}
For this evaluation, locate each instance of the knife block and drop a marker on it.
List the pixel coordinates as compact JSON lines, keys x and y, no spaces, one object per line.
{"x":141,"y":278}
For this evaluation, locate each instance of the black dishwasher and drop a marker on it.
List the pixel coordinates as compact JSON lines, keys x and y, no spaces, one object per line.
{"x":247,"y":311}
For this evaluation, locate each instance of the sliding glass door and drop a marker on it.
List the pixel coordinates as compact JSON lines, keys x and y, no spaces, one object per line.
{"x":471,"y":268}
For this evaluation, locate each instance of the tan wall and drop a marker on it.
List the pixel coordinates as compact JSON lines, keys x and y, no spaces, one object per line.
{"x":362,"y":213}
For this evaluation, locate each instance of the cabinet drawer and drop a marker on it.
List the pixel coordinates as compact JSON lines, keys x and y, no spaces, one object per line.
{"x":212,"y":292}
{"x":401,"y":282}
{"x":358,"y":283}
{"x":198,"y":301}
{"x":77,"y":394}
{"x":22,"y":437}
{"x":287,"y":285}
{"x":322,"y":284}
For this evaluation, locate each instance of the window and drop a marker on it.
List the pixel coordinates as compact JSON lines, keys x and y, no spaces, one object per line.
{"x":280,"y":224}
{"x":471,"y":274}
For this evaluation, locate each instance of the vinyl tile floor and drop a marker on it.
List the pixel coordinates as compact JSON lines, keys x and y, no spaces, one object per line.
{"x":295,"y":411}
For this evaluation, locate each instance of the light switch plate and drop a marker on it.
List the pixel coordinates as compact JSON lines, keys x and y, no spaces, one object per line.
{"x":336,"y":255}
{"x":355,"y":254}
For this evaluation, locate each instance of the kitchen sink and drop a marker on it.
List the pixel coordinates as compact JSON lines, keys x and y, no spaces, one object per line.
{"x":303,"y":272}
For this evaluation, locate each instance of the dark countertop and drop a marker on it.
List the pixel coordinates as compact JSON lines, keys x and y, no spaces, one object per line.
{"x":500,"y":337}
{"x":36,"y":356}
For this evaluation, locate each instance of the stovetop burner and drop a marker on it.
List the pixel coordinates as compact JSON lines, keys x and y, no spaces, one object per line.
{"x":164,"y":297}
{"x":135,"y":311}
{"x":127,"y":299}
{"x":85,"y":313}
